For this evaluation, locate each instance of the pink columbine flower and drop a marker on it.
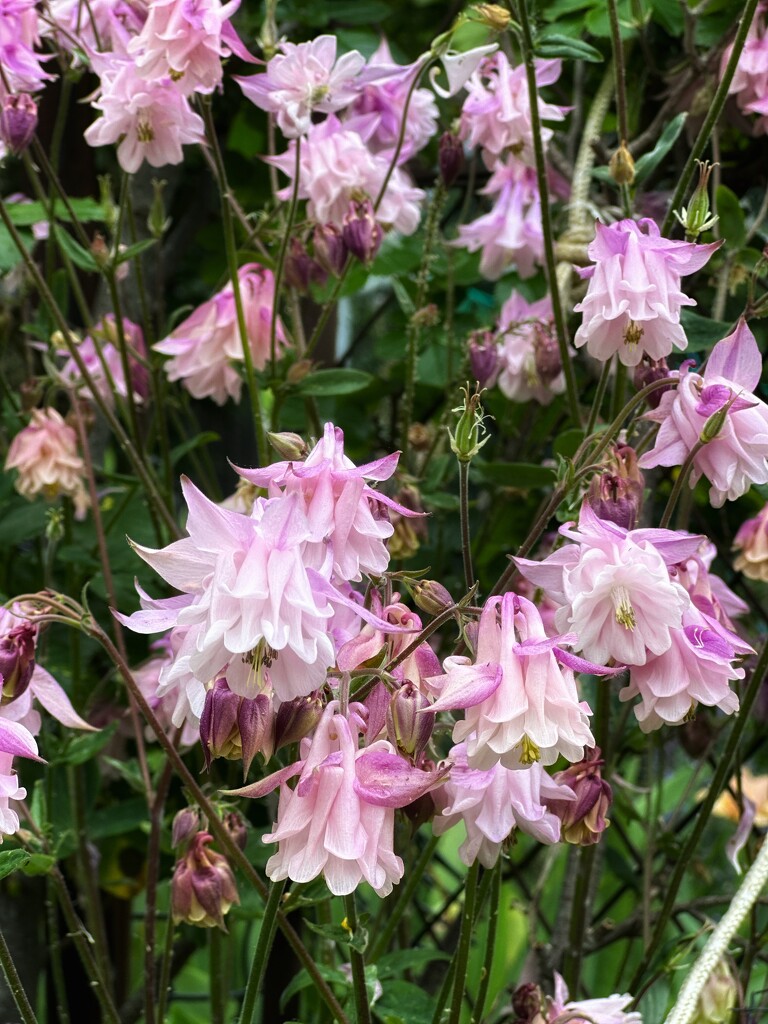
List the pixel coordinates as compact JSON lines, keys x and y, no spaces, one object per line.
{"x":633,"y":301}
{"x":207,"y":345}
{"x":150,"y":120}
{"x":19,"y":35}
{"x":336,"y":166}
{"x":526,"y":330}
{"x":511,"y":233}
{"x":614,"y":587}
{"x":347,"y":519}
{"x":187,"y":39}
{"x":171,"y":703}
{"x":45,"y":454}
{"x":102,"y":25}
{"x":105,"y":365}
{"x":751,"y":542}
{"x":493,"y":803}
{"x":750,"y":80}
{"x":609,"y":1010}
{"x":497,"y":113}
{"x":302,"y":79}
{"x":520,"y":698}
{"x":737,"y":455}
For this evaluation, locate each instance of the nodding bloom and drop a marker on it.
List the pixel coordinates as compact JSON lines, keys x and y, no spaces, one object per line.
{"x":614,"y":587}
{"x":203,"y":887}
{"x":751,"y":542}
{"x":336,"y":166}
{"x":633,"y":301}
{"x":304,"y":78}
{"x":150,"y":120}
{"x":207,"y":346}
{"x":104,"y":363}
{"x":528,"y":368}
{"x":19,"y":35}
{"x":187,"y":41}
{"x":609,"y":1010}
{"x":45,"y":455}
{"x":720,"y":408}
{"x":511,"y":233}
{"x":497,"y":112}
{"x":102,"y":25}
{"x":493,"y":803}
{"x":520,"y":698}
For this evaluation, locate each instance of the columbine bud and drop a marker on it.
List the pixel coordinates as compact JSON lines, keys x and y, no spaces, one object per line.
{"x":18,"y":121}
{"x":234,"y":823}
{"x":361,"y":233}
{"x":297,"y":718}
{"x":301,"y":269}
{"x":17,"y":661}
{"x":298,"y":371}
{"x":718,"y":997}
{"x":185,"y":824}
{"x":468,"y":438}
{"x":484,"y":358}
{"x":526,"y":1002}
{"x":617,"y":493}
{"x":696,"y":217}
{"x":157,"y":222}
{"x":203,"y":886}
{"x":546,"y":354}
{"x":583,"y":820}
{"x":329,"y":248}
{"x":647,"y":372}
{"x":290,"y":446}
{"x":406,"y":728}
{"x":492,"y":15}
{"x":431,"y":597}
{"x":450,"y":158}
{"x":235,"y":727}
{"x":622,"y":166}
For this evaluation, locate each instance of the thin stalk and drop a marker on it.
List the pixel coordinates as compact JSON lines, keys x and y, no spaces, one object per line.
{"x":442,"y":995}
{"x":682,"y":478}
{"x":490,"y":944}
{"x":280,"y":266}
{"x":617,"y":47}
{"x":362,"y":1007}
{"x":466,"y":544}
{"x":465,"y":940}
{"x":597,"y":401}
{"x":122,"y":346}
{"x":54,"y":949}
{"x":23,"y":1004}
{"x":546,"y":221}
{"x":217,"y":962}
{"x":715,"y":109}
{"x":164,"y":984}
{"x":261,"y":953}
{"x":150,"y":905}
{"x":231,"y":249}
{"x":404,"y":900}
{"x":719,"y":780}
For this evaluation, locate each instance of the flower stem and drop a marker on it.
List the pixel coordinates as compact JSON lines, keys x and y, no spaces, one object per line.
{"x":490,"y":944}
{"x":261,"y":953}
{"x":682,"y":477}
{"x":466,"y":546}
{"x":23,"y":1004}
{"x":217,"y":963}
{"x":465,"y":940}
{"x":404,"y":900}
{"x":594,"y":412}
{"x":618,"y":64}
{"x":362,"y":1007}
{"x":280,"y":266}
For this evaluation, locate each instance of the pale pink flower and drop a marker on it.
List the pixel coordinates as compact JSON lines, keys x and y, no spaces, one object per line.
{"x":493,"y":803}
{"x":520,"y":699}
{"x":9,"y":790}
{"x":511,"y":233}
{"x":750,"y":80}
{"x":101,"y":25}
{"x":609,"y":1010}
{"x":709,"y":593}
{"x":187,"y":39}
{"x":737,"y":456}
{"x":19,"y":35}
{"x":150,"y":120}
{"x":104,"y":364}
{"x":302,"y":79}
{"x":633,"y":301}
{"x":458,"y":66}
{"x":336,"y":166}
{"x":387,"y":100}
{"x":347,"y":519}
{"x":751,"y":542}
{"x":615,"y":588}
{"x":525,"y":328}
{"x":497,"y":113}
{"x":45,"y":454}
{"x":207,"y":345}
{"x":170,"y":704}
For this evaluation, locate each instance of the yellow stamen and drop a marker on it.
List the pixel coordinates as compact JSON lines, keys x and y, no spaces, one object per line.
{"x":625,"y":613}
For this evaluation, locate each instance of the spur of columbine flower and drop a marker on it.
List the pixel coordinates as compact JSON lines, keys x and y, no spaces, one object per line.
{"x":720,"y":408}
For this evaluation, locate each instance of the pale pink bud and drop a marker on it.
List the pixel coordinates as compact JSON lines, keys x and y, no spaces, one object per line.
{"x":203,"y":886}
{"x":406,"y":728}
{"x":18,"y":121}
{"x":583,"y":819}
{"x":361,"y":232}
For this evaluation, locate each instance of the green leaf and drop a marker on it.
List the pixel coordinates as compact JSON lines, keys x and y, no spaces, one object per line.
{"x":9,"y":254}
{"x":669,"y":14}
{"x":701,"y":332}
{"x":24,"y":214}
{"x":38,"y":864}
{"x":79,"y":255}
{"x":22,"y":523}
{"x":134,"y":250}
{"x":82,"y":748}
{"x":401,"y":960}
{"x":327,"y":383}
{"x":565,"y":444}
{"x":402,"y":1001}
{"x":303,"y":980}
{"x":336,"y":933}
{"x":118,"y":819}
{"x":732,"y":226}
{"x":11,"y":860}
{"x":519,"y":475}
{"x":199,"y":441}
{"x":557,"y":45}
{"x":648,"y":162}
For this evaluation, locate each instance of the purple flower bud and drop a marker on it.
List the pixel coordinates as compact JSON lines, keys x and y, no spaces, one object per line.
{"x":546,"y":354}
{"x":185,"y":824}
{"x":450,"y":158}
{"x":329,"y":248}
{"x":617,"y":493}
{"x":647,"y":372}
{"x":526,"y":1002}
{"x":203,"y":886}
{"x":18,"y":121}
{"x":361,"y":232}
{"x":406,"y":728}
{"x":583,"y":820}
{"x":17,"y":661}
{"x":300,"y":269}
{"x":484,"y":358}
{"x":297,"y":718}
{"x":235,"y":727}
{"x":255,"y":722}
{"x":235,"y":824}
{"x":290,"y":446}
{"x":431,"y":597}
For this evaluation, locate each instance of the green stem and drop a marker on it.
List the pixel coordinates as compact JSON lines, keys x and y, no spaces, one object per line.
{"x":261,"y":953}
{"x":164,"y":984}
{"x":465,"y":941}
{"x":618,"y":62}
{"x":597,"y":401}
{"x":546,"y":221}
{"x":23,"y":1004}
{"x":490,"y":944}
{"x":217,"y":962}
{"x":125,"y":362}
{"x":682,"y":478}
{"x":719,"y":780}
{"x":54,"y":949}
{"x":362,"y":1007}
{"x":466,"y":545}
{"x":280,"y":267}
{"x":718,"y":102}
{"x":404,"y":898}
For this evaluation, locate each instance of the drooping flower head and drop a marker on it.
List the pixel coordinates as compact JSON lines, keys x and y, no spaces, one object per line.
{"x":45,"y":455}
{"x":104,"y":364}
{"x":608,"y":1010}
{"x":751,"y":542}
{"x":526,"y":330}
{"x":633,"y":301}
